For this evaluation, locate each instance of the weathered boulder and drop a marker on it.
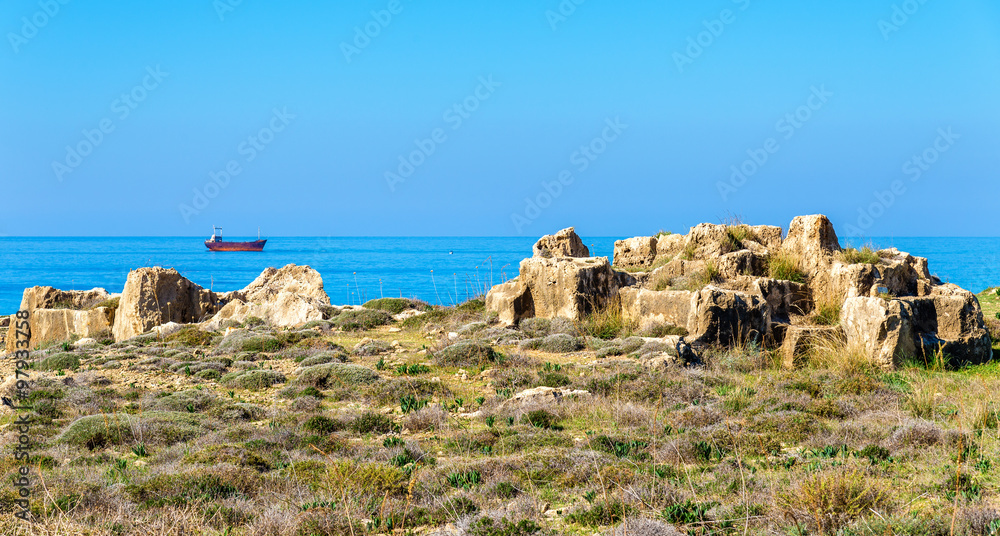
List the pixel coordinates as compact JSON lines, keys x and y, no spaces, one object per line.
{"x":48,"y":325}
{"x":565,"y":243}
{"x":669,"y":245}
{"x":649,"y":307}
{"x":286,"y":297}
{"x":155,"y":296}
{"x":727,"y":318}
{"x":638,"y":252}
{"x":883,"y":329}
{"x":812,"y":240}
{"x":741,"y":263}
{"x":798,"y":340}
{"x":707,"y":240}
{"x":785,"y":299}
{"x":562,"y":286}
{"x":541,"y":398}
{"x":56,"y":315}
{"x":511,"y":301}
{"x":950,"y":320}
{"x":53,"y":298}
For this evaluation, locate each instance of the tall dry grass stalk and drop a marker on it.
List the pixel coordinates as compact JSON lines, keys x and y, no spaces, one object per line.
{"x":832,"y":352}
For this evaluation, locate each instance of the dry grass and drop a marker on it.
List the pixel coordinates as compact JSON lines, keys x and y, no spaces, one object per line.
{"x":735,"y":443}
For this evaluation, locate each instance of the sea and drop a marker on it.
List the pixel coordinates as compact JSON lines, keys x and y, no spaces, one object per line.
{"x":438,"y":270}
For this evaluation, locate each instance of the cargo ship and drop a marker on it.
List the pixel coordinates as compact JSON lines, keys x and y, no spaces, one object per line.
{"x":216,"y":243}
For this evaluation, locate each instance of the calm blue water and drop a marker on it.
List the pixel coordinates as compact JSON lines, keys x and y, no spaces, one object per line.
{"x":352,"y":268}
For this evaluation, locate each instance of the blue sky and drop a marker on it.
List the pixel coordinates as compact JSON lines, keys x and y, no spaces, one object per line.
{"x":874,"y":85}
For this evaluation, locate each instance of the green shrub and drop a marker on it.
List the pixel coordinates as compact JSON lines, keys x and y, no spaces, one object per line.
{"x":325,"y":357}
{"x":467,"y":354}
{"x":434,"y":315}
{"x":865,"y":255}
{"x":253,"y":321}
{"x":553,"y":379}
{"x":190,"y":336}
{"x":487,"y":526}
{"x":475,"y":305}
{"x":245,"y":341}
{"x":208,"y":374}
{"x":785,"y":267}
{"x":559,"y":343}
{"x":600,"y":514}
{"x":110,"y":303}
{"x":329,"y":374}
{"x":182,"y":400}
{"x":464,"y":480}
{"x":362,"y":319}
{"x":163,"y":427}
{"x":321,"y":425}
{"x":200,"y":486}
{"x":64,"y":361}
{"x":231,"y":454}
{"x":369,"y":422}
{"x":310,"y":391}
{"x":392,"y":305}
{"x":253,"y":379}
{"x":607,"y":322}
{"x":540,"y":418}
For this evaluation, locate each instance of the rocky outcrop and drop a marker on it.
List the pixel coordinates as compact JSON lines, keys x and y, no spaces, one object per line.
{"x":51,"y":325}
{"x":882,"y":329}
{"x":286,"y":297}
{"x":155,"y":296}
{"x":565,"y":243}
{"x":811,"y":240}
{"x":729,"y":285}
{"x":511,"y":301}
{"x":58,"y":315}
{"x":556,"y":287}
{"x":638,"y":252}
{"x":53,"y":298}
{"x":727,"y":318}
{"x":647,"y":308}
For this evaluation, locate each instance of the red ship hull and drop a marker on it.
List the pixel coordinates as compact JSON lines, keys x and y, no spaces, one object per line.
{"x":256,"y":245}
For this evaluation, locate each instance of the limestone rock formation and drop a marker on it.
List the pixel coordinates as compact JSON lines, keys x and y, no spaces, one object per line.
{"x":286,"y":297}
{"x":729,"y":285}
{"x":56,"y":315}
{"x":565,"y":243}
{"x":155,"y":296}
{"x":555,"y":287}
{"x":635,"y":252}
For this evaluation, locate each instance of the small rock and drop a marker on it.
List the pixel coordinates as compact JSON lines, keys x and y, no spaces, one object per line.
{"x":452,"y":335}
{"x":85,"y":342}
{"x":394,"y":330}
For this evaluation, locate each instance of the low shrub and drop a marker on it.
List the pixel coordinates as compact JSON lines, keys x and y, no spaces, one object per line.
{"x":865,"y":255}
{"x":163,"y":427}
{"x":560,"y":343}
{"x":321,"y":424}
{"x":63,"y":361}
{"x":392,"y":305}
{"x":827,"y":502}
{"x":231,"y":454}
{"x":371,"y":422}
{"x":467,"y":354}
{"x":330,"y":374}
{"x":362,"y":319}
{"x":786,"y":267}
{"x":253,"y":379}
{"x":607,"y":322}
{"x":200,"y":486}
